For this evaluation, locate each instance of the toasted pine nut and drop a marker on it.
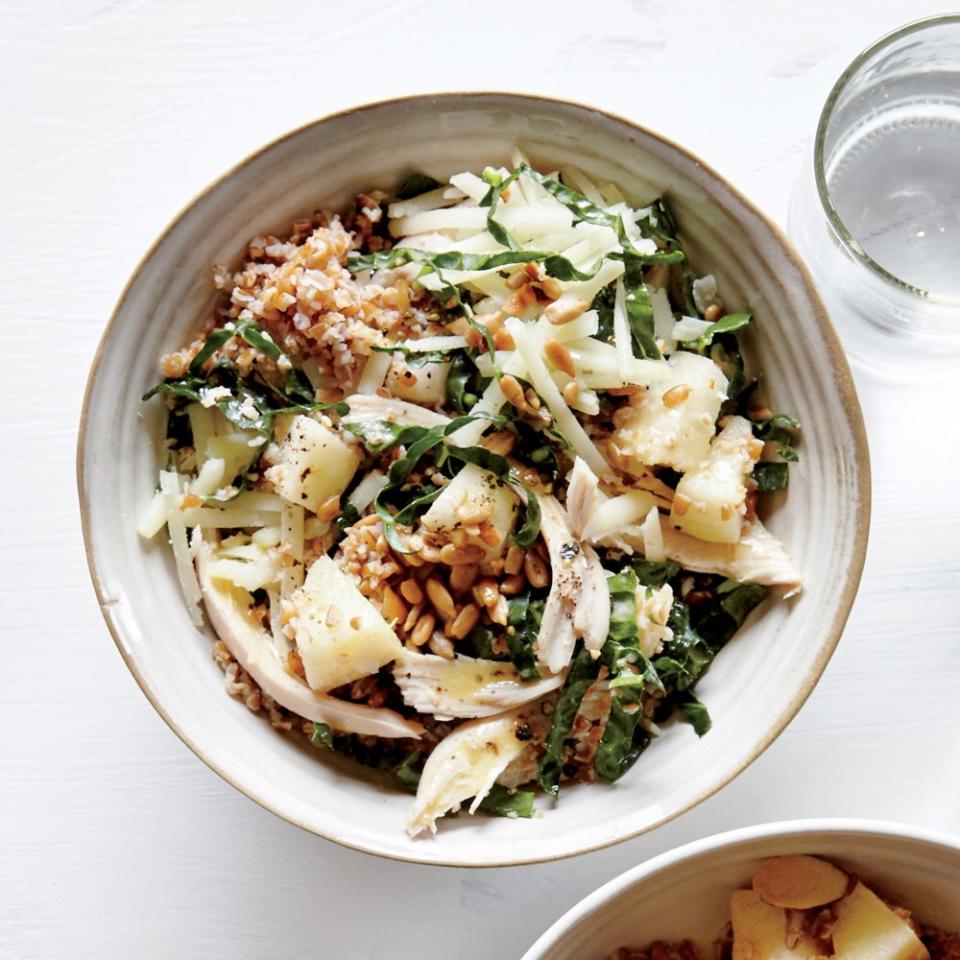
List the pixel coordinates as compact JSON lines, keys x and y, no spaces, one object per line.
{"x":489,"y":534}
{"x":533,"y":270}
{"x":514,"y":561}
{"x":440,"y":598}
{"x":552,"y":288}
{"x":441,"y":646}
{"x":463,"y":577}
{"x":411,"y":591}
{"x":393,"y":608}
{"x":516,"y":280}
{"x":536,"y":570}
{"x":512,"y":390}
{"x":755,"y":448}
{"x":712,"y":313}
{"x":456,"y":554}
{"x":329,"y":395}
{"x":502,"y":442}
{"x":564,"y":310}
{"x":681,"y":504}
{"x":500,"y":611}
{"x":533,"y":401}
{"x":503,"y":341}
{"x":474,"y":338}
{"x":519,"y":301}
{"x":464,"y":621}
{"x":423,"y":629}
{"x":475,"y":511}
{"x":486,"y":592}
{"x":412,"y":617}
{"x":512,"y":585}
{"x":676,"y":395}
{"x":560,"y":357}
{"x":630,"y":391}
{"x":571,"y":391}
{"x":329,"y":509}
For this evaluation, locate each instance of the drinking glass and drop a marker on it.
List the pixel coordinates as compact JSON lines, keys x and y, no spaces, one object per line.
{"x":876,"y":212}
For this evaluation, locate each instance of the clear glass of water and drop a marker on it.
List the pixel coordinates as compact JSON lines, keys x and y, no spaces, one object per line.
{"x":876,"y":213}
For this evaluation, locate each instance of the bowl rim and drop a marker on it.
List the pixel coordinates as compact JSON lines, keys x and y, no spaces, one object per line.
{"x":607,"y":893}
{"x":838,"y":365}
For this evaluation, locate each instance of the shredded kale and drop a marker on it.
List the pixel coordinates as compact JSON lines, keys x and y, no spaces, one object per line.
{"x":464,"y":383}
{"x":770,"y":477}
{"x":694,"y":713}
{"x":727,"y":324}
{"x":501,"y":802}
{"x":624,"y":739}
{"x":321,"y":735}
{"x":780,"y":429}
{"x":653,"y":574}
{"x":583,"y":671}
{"x":416,"y":184}
{"x":380,"y":435}
{"x":416,"y":358}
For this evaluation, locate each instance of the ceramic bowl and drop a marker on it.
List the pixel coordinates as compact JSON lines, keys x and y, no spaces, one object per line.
{"x":756,"y":685}
{"x":684,"y":893}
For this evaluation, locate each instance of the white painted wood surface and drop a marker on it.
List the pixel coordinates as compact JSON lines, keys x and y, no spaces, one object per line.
{"x":114,"y":840}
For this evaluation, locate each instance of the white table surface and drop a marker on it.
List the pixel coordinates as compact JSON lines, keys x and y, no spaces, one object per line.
{"x":116,"y":840}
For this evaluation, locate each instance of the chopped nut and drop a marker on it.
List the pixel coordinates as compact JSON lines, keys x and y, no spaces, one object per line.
{"x":463,"y":577}
{"x":464,"y":621}
{"x":329,"y":509}
{"x":441,"y":646}
{"x":536,"y":570}
{"x":455,"y":554}
{"x":486,"y":592}
{"x":560,"y":357}
{"x":423,"y":630}
{"x":513,"y":585}
{"x":411,"y":591}
{"x":393,"y":608}
{"x":564,"y":310}
{"x":501,"y":442}
{"x":570,"y":392}
{"x":513,"y":392}
{"x":552,"y":287}
{"x":676,"y":395}
{"x":513,"y":563}
{"x":440,"y":598}
{"x":503,"y":341}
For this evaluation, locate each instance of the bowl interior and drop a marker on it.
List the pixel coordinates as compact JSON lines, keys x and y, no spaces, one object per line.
{"x":324,"y":165}
{"x":685,"y":894}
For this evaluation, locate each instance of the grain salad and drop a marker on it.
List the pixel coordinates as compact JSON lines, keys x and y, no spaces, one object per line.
{"x":466,"y":481}
{"x":806,"y":907}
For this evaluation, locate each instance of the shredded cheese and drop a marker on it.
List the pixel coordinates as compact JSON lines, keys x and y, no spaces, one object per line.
{"x":565,"y":419}
{"x":182,"y":554}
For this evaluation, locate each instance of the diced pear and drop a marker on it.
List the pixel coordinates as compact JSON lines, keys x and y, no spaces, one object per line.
{"x":316,"y":464}
{"x":867,"y":929}
{"x":709,"y":499}
{"x":340,"y":634}
{"x":673,"y":423}
{"x":425,"y":385}
{"x":474,"y":491}
{"x":760,"y":930}
{"x":799,"y":882}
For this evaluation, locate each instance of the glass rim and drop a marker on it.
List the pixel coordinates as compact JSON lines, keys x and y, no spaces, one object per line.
{"x":826,"y":115}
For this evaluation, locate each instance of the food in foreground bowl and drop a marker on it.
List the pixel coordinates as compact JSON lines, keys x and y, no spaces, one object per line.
{"x":467,"y":482}
{"x":802,"y":906}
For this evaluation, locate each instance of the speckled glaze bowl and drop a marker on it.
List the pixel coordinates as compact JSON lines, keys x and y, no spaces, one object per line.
{"x":685,"y":893}
{"x":754,"y":688}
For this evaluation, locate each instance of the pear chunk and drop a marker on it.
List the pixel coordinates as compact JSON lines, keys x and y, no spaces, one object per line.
{"x":867,"y":929}
{"x":315,"y":464}
{"x":799,"y":882}
{"x":341,"y":636}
